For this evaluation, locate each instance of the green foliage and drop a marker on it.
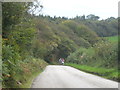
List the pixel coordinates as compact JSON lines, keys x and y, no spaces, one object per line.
{"x":21,"y":74}
{"x":23,"y":36}
{"x":70,"y":33}
{"x":103,"y":54}
{"x":110,"y":54}
{"x":65,"y":47}
{"x":104,"y":28}
{"x":10,"y":19}
{"x":71,"y":24}
{"x":62,"y":49}
{"x":92,"y":17}
{"x":82,"y":31}
{"x":18,"y":63}
{"x":88,"y":35}
{"x":81,"y":56}
{"x":39,"y":49}
{"x":10,"y":63}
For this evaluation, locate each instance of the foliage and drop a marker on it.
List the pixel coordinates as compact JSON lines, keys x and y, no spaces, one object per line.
{"x":103,"y":54}
{"x":10,"y":19}
{"x":81,"y":56}
{"x":92,"y":17}
{"x":21,"y":74}
{"x":18,"y":34}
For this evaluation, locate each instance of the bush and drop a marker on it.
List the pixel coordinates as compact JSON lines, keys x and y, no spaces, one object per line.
{"x":103,"y":54}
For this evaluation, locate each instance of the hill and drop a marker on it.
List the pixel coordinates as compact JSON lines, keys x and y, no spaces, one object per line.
{"x":61,"y":38}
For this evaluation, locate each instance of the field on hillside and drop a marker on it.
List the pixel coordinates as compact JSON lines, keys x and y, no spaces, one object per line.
{"x":113,"y":39}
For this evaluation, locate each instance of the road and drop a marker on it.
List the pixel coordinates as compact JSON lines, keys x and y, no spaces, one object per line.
{"x":58,"y":76}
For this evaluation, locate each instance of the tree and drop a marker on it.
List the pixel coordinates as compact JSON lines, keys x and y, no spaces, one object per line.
{"x":80,"y":17}
{"x":12,"y":15}
{"x":83,"y":17}
{"x":110,"y":19}
{"x":92,"y":17}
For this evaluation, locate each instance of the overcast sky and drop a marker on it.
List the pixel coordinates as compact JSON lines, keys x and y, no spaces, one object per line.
{"x":71,"y":8}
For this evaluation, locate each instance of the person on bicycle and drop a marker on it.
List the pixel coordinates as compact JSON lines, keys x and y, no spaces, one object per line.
{"x":62,"y":60}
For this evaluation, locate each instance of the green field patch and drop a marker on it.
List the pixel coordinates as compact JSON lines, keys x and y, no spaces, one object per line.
{"x":112,"y":39}
{"x":106,"y":73}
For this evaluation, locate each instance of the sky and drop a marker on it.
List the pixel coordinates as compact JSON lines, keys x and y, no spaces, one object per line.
{"x":71,"y":8}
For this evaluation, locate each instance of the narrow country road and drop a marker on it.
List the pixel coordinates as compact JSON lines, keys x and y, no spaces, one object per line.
{"x":58,"y":76}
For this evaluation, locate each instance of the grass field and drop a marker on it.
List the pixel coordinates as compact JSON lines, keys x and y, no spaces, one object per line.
{"x":106,"y":73}
{"x":112,"y":39}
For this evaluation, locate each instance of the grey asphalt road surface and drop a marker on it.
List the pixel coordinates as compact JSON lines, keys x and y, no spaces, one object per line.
{"x":58,"y":76}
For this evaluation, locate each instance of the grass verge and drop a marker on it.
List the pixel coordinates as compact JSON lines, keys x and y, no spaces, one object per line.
{"x":24,"y":73}
{"x":112,"y":74}
{"x":30,"y":80}
{"x":35,"y":68}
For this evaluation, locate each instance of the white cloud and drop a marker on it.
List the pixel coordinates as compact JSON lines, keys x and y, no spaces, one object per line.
{"x":71,"y":8}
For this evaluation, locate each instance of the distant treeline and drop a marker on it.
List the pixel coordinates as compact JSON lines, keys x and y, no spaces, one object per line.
{"x":104,"y":28}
